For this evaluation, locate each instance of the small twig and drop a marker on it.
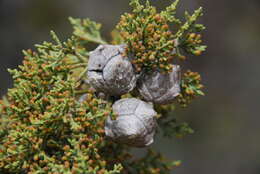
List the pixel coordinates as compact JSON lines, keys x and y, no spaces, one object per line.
{"x":80,"y":57}
{"x":82,"y":74}
{"x":78,"y":65}
{"x":84,"y":91}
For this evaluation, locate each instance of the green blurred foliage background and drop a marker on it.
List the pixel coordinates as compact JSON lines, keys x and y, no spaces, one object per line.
{"x":226,"y":120}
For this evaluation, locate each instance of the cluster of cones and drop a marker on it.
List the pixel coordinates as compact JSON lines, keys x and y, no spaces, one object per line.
{"x":113,"y":74}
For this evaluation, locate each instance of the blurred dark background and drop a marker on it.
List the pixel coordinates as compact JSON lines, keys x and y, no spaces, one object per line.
{"x":226,"y":120}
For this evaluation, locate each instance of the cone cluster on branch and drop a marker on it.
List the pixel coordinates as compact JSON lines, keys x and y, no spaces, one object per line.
{"x":51,"y":122}
{"x":111,"y":72}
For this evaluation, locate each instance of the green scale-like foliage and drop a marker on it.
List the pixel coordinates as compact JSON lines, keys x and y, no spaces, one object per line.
{"x":44,"y":129}
{"x":47,"y":129}
{"x":154,"y":45}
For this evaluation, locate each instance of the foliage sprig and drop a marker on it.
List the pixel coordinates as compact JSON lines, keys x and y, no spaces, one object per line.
{"x":151,"y":41}
{"x":191,"y":88}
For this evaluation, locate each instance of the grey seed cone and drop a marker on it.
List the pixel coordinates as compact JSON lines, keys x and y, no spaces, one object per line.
{"x":109,"y":71}
{"x":160,"y":88}
{"x":135,"y":124}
